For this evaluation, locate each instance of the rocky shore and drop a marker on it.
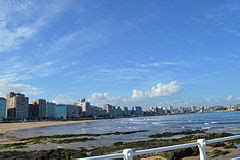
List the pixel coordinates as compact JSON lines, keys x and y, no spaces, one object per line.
{"x":14,"y":150}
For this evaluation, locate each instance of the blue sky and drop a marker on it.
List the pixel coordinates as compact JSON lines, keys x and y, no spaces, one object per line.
{"x":137,"y":52}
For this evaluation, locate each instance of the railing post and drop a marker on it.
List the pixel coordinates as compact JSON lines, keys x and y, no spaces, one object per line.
{"x":202,"y":149}
{"x":128,"y":154}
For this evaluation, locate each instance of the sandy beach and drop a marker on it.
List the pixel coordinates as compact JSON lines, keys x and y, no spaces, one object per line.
{"x":5,"y":127}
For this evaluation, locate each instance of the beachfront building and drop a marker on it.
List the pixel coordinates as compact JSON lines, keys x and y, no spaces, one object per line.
{"x":42,"y":107}
{"x":17,"y":105}
{"x":61,"y":111}
{"x":2,"y":108}
{"x":110,"y":109}
{"x":118,"y":112}
{"x":86,"y":107}
{"x":171,"y":110}
{"x":98,"y":112}
{"x":126,"y":112}
{"x":33,"y":111}
{"x":234,"y":107}
{"x":50,"y":110}
{"x":138,"y":111}
{"x":73,"y":111}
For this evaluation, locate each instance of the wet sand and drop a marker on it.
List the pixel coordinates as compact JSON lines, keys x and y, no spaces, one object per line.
{"x":6,"y":127}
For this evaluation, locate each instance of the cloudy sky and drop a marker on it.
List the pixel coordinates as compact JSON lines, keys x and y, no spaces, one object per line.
{"x":136,"y":52}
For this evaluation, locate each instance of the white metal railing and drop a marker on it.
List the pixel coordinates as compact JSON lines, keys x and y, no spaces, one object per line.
{"x":128,"y":154}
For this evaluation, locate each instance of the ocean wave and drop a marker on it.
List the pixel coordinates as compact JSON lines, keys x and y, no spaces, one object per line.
{"x":206,"y":128}
{"x":214,"y":122}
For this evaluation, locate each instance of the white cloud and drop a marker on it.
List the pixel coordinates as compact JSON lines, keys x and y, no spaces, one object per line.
{"x":103,"y":98}
{"x":232,"y":98}
{"x":229,"y":98}
{"x":160,"y":90}
{"x":63,"y":99}
{"x":167,"y":63}
{"x":86,"y":39}
{"x":124,"y":74}
{"x":19,"y":21}
{"x":14,"y":71}
{"x":232,"y":31}
{"x":41,"y":70}
{"x":60,"y":43}
{"x":17,"y":70}
{"x":11,"y":39}
{"x":138,"y":93}
{"x":6,"y":87}
{"x":209,"y":99}
{"x":12,"y":36}
{"x":99,"y":96}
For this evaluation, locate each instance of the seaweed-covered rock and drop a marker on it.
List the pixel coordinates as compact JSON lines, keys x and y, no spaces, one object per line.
{"x":180,"y":153}
{"x":44,"y":154}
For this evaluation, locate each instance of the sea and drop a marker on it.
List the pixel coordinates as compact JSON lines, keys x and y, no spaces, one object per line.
{"x":210,"y":122}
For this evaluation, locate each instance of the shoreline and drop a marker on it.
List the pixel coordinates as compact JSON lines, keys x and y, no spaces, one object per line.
{"x":14,"y":126}
{"x":223,"y":150}
{"x":7,"y":127}
{"x":22,"y":147}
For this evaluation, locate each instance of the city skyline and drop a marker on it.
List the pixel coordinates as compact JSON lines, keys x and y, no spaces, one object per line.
{"x":123,"y":53}
{"x":16,"y":106}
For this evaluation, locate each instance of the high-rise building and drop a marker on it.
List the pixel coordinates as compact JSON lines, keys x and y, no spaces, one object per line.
{"x":86,"y":107}
{"x":42,"y":107}
{"x":118,"y":112}
{"x":61,"y":111}
{"x":160,"y":110}
{"x":171,"y":109}
{"x":17,"y":105}
{"x":110,"y":109}
{"x":2,"y":108}
{"x":80,"y":113}
{"x":73,"y":111}
{"x":33,"y":111}
{"x":133,"y":111}
{"x":165,"y":111}
{"x":97,"y":112}
{"x":138,"y":110}
{"x":194,"y":109}
{"x":182,"y":110}
{"x":126,"y":112}
{"x":50,"y":110}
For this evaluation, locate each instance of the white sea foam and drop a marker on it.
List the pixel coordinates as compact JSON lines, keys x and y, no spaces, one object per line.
{"x":204,"y":128}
